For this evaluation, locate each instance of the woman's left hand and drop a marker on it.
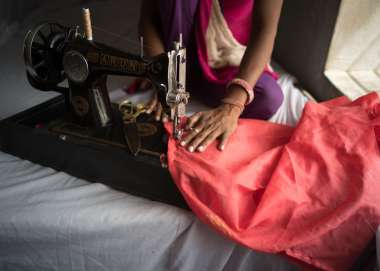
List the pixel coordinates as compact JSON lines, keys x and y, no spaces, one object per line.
{"x":205,"y":127}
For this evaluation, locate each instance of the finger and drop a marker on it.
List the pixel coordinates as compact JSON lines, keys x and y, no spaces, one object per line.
{"x":158,"y":111}
{"x":200,"y":125}
{"x":199,"y":138}
{"x":192,"y":120}
{"x":194,"y":131}
{"x":189,"y":137}
{"x":152,"y":104}
{"x":208,"y":140}
{"x":223,"y":140}
{"x":164,"y":117}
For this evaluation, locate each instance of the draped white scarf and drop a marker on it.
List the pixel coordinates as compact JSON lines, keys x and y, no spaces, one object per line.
{"x":222,"y":47}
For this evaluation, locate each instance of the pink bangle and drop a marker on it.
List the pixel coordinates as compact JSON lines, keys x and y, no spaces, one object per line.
{"x":245,"y":85}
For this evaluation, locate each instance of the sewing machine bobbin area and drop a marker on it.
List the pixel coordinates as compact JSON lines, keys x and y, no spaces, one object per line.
{"x":27,"y":135}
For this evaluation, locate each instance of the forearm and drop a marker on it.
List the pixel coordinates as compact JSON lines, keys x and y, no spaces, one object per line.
{"x":147,"y":28}
{"x":257,"y":55}
{"x":260,"y":45}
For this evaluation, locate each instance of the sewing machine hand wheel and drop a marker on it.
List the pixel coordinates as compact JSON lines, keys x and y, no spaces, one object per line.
{"x":43,"y":54}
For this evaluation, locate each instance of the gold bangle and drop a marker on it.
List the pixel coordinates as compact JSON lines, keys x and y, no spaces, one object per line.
{"x":234,"y":103}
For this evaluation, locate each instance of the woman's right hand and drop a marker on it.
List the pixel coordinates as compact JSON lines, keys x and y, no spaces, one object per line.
{"x":154,"y":107}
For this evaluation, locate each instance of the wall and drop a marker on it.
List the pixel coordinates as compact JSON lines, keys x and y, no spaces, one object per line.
{"x":353,"y":63}
{"x":11,"y":13}
{"x":303,"y":40}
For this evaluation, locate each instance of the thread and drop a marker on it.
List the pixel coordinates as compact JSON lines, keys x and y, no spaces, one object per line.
{"x":87,"y":23}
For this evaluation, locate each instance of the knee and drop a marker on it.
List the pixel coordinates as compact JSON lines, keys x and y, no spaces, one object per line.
{"x":274,"y":98}
{"x":268,"y":99}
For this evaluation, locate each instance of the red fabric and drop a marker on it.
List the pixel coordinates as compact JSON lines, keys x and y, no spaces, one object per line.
{"x":132,"y":88}
{"x":310,"y":192}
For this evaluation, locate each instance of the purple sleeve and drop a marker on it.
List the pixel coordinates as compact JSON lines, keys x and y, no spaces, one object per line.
{"x":176,"y":17}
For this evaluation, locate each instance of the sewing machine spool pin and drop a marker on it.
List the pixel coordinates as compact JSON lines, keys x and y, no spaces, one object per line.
{"x":87,"y":25}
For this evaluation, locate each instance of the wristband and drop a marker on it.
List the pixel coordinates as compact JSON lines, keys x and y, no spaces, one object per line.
{"x":245,"y":85}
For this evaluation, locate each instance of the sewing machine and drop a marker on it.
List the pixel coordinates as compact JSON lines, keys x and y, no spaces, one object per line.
{"x":54,"y":53}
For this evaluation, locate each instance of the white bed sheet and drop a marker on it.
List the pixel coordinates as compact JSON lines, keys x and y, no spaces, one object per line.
{"x":52,"y":221}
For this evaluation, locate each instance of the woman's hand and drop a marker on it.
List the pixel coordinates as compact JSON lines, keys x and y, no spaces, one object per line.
{"x":154,"y":107}
{"x":205,"y":127}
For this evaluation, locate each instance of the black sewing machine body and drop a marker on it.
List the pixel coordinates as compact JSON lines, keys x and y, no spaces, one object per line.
{"x":28,"y":135}
{"x":87,"y":65}
{"x":54,"y":53}
{"x":82,"y":132}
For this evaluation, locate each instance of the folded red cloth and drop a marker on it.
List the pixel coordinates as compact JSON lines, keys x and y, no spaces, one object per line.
{"x":310,"y":192}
